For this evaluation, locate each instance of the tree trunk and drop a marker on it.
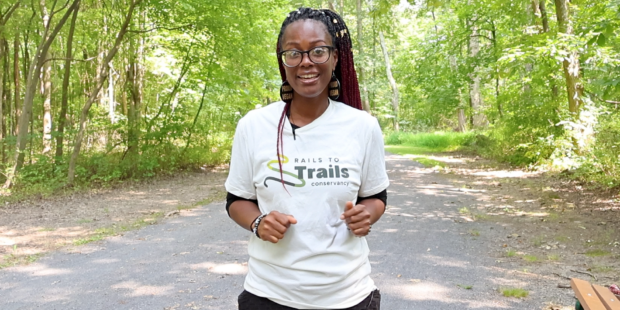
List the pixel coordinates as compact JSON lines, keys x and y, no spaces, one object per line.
{"x":134,"y":82}
{"x":94,"y":94}
{"x":393,"y":85}
{"x":571,"y":64}
{"x":4,"y":75}
{"x":2,"y":99}
{"x":62,"y":117}
{"x":46,"y":88}
{"x":360,"y":28}
{"x":16,"y":78}
{"x":111,"y":102}
{"x":543,"y":16}
{"x":32,"y":80}
{"x":478,"y":119}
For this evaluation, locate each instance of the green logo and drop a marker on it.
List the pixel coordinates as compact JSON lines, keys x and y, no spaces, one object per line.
{"x":284,"y":161}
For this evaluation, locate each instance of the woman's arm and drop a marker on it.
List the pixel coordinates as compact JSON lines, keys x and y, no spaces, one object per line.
{"x":244,"y":212}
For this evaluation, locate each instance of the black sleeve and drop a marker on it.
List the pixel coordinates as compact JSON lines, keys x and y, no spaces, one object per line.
{"x":381,"y":196}
{"x":230,"y":198}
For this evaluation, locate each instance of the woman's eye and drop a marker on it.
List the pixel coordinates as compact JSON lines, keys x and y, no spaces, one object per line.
{"x":318,"y":51}
{"x":293,"y":54}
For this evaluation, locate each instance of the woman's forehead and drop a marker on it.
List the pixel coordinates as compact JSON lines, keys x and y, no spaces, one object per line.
{"x":306,"y":30}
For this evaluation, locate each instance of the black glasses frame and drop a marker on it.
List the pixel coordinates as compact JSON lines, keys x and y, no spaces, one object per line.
{"x":330,"y":48}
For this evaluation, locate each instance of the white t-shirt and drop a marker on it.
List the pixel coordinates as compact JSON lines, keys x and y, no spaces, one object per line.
{"x":318,"y":264}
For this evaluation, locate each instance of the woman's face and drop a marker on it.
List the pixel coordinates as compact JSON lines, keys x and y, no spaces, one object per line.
{"x":308,"y":79}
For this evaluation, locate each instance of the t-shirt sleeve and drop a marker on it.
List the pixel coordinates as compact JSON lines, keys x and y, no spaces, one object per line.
{"x":374,"y":176}
{"x":241,"y":174}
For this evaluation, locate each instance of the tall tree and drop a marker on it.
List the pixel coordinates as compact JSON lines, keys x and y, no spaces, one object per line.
{"x":360,"y":44}
{"x":571,"y":64}
{"x":64,"y":103}
{"x":388,"y":69}
{"x":95,"y":92}
{"x":31,"y":86}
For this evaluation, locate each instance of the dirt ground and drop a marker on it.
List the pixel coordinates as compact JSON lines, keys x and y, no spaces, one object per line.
{"x":553,"y":227}
{"x":31,"y":228}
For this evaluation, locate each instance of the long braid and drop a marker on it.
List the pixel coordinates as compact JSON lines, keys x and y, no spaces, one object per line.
{"x":344,"y":71}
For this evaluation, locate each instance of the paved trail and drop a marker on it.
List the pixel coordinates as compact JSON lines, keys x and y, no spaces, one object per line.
{"x":422,"y":258}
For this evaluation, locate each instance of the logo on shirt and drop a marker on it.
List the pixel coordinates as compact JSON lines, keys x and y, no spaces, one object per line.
{"x":330,"y":170}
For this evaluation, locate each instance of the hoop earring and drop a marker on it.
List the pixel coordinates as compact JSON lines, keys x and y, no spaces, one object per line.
{"x":334,"y":87}
{"x":286,"y":91}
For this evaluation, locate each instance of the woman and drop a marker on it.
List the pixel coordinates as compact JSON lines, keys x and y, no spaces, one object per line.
{"x":308,"y":177}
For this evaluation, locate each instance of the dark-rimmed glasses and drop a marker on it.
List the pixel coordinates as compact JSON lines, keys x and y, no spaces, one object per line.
{"x":318,"y":55}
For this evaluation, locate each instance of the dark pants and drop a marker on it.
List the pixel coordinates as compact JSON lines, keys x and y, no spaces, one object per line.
{"x":249,"y":301}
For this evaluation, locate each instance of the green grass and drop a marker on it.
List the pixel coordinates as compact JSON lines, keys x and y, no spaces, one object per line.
{"x":511,"y":253}
{"x":597,"y":253}
{"x":530,"y":258}
{"x":474,"y":232}
{"x":12,"y":260}
{"x":538,"y":241}
{"x":467,"y":287}
{"x":514,"y":292}
{"x":553,"y":257}
{"x":602,"y":269}
{"x":482,"y":216}
{"x":431,"y":142}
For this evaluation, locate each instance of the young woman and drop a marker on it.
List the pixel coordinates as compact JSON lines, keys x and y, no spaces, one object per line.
{"x":307,"y":177}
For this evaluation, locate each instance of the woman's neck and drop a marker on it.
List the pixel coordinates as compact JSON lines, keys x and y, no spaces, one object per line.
{"x":305,"y":110}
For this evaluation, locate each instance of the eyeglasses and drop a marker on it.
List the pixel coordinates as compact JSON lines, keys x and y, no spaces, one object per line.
{"x":318,"y":55}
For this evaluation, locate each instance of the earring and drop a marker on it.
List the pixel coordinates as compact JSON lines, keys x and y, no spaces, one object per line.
{"x":286,"y":91}
{"x":334,"y":87}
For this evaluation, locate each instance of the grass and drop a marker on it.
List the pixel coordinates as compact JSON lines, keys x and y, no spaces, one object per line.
{"x":514,"y":292}
{"x":403,"y":143}
{"x":553,"y":257}
{"x":464,"y":210}
{"x":511,"y":253}
{"x":597,"y":253}
{"x":13,"y":260}
{"x":530,"y":258}
{"x":474,"y":232}
{"x":431,"y":142}
{"x":430,"y":163}
{"x":538,"y":241}
{"x":602,"y":269}
{"x":467,"y":287}
{"x":482,"y":216}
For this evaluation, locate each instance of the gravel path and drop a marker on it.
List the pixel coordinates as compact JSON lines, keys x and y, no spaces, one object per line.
{"x":424,"y":256}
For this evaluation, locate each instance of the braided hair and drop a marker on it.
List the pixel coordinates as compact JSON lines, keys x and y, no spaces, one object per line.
{"x":344,"y":71}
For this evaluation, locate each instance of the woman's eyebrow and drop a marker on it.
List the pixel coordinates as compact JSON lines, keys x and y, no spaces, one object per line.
{"x":295,"y":43}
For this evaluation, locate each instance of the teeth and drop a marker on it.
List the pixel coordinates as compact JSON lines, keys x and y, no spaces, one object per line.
{"x":308,"y":76}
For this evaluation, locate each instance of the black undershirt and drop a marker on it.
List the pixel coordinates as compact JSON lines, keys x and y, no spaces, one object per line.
{"x":230,"y":198}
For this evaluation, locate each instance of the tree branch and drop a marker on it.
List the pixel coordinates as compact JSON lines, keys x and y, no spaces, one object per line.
{"x":70,"y":59}
{"x":62,"y":8}
{"x":8,"y":13}
{"x":157,"y":28}
{"x":602,"y":100}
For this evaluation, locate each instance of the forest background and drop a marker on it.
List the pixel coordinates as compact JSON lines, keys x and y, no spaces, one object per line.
{"x":97,"y":92}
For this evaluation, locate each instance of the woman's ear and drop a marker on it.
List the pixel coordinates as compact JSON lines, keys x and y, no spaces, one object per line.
{"x":335,"y":57}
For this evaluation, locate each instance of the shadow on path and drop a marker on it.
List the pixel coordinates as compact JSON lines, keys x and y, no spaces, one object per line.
{"x":422,"y":254}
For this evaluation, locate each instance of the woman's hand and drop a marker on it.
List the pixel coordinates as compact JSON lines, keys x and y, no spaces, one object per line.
{"x":273,"y":226}
{"x":357,"y":219}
